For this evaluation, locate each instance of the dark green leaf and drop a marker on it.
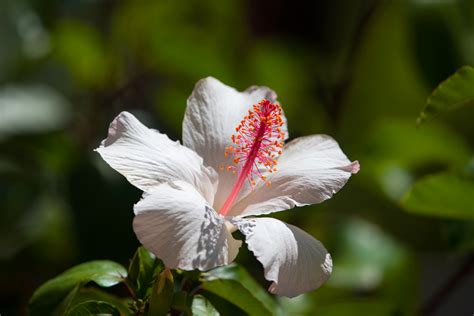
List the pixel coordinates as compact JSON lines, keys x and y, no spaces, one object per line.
{"x":454,"y":92}
{"x":235,"y":285}
{"x":95,"y":294}
{"x":68,"y":302}
{"x":182,"y":302}
{"x":93,"y":308}
{"x":103,"y":272}
{"x":444,"y":195}
{"x":202,"y":307}
{"x":460,"y":235}
{"x":162,"y":294}
{"x":141,"y":272}
{"x":80,"y":295}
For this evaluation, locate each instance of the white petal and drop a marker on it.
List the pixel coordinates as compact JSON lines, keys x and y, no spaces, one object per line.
{"x":310,"y":170}
{"x":147,"y":158}
{"x":175,"y":223}
{"x":212,"y":114}
{"x":293,"y":260}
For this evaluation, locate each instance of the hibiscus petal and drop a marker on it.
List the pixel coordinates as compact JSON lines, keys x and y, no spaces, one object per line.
{"x":310,"y":170}
{"x":212,"y":114}
{"x":147,"y":158}
{"x":293,"y":260}
{"x":174,"y":222}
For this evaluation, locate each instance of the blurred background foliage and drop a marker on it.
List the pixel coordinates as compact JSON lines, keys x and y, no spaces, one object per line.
{"x":358,"y":70}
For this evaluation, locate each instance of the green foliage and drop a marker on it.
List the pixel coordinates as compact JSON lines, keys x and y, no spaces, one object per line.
{"x":92,"y":308}
{"x":202,"y":307}
{"x":454,"y":92}
{"x":141,"y":272}
{"x":235,"y":285}
{"x":91,"y":294}
{"x":444,"y":195}
{"x":162,"y":294}
{"x":397,"y":150}
{"x":182,"y":302}
{"x":153,"y":290}
{"x":104,"y":273}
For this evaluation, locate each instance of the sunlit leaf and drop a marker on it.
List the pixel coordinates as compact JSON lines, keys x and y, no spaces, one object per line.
{"x":444,"y":195}
{"x":235,"y":285}
{"x":202,"y":307}
{"x":103,"y":272}
{"x":454,"y":92}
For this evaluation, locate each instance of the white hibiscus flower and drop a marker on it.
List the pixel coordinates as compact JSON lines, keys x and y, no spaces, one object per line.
{"x":224,"y":174}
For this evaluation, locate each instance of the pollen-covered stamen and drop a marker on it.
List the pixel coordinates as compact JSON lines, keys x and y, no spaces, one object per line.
{"x":258,"y":141}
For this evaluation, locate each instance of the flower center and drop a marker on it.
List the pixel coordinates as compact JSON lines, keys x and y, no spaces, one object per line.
{"x":257,"y":143}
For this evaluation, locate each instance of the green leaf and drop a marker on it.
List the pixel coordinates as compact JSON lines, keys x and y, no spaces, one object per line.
{"x":396,"y":150}
{"x":162,"y":294}
{"x":454,"y":92}
{"x":202,"y":307}
{"x":93,"y":308}
{"x":68,"y":302}
{"x":444,"y":195}
{"x":103,"y":272}
{"x":141,"y":271}
{"x":182,"y":302}
{"x":365,"y":255}
{"x":95,"y":294}
{"x":235,"y":285}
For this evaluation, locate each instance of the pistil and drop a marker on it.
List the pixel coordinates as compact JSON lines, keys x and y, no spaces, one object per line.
{"x":257,"y":143}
